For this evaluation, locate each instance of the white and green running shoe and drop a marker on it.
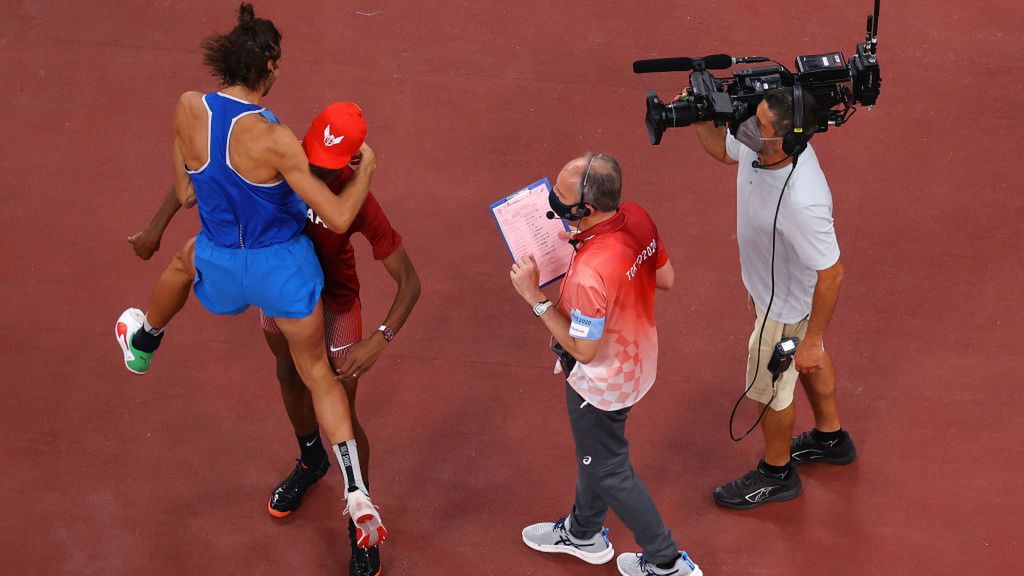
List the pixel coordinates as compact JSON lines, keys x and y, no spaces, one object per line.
{"x":127,"y":325}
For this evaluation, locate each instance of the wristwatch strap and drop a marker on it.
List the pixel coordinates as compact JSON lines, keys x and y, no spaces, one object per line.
{"x":541,"y":307}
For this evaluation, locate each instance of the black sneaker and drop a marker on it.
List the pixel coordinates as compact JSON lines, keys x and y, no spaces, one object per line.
{"x":807,"y":448}
{"x":288,"y":494}
{"x":758,"y":487}
{"x":365,"y":561}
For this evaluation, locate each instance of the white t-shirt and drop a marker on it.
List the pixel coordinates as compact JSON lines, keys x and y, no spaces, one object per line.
{"x":806,"y":238}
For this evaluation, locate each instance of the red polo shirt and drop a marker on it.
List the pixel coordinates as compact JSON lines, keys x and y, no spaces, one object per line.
{"x":608,"y":294}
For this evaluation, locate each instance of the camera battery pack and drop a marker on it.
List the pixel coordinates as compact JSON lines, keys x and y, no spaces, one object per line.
{"x":829,"y":67}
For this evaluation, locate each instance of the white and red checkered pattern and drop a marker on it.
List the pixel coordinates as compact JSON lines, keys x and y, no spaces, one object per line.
{"x":341,"y":330}
{"x":621,"y":382}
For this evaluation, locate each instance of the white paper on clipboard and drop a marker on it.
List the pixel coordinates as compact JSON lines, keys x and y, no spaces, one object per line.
{"x":523,"y":222}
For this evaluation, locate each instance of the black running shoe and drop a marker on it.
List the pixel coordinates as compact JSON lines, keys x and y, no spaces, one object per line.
{"x":288,"y":494}
{"x":807,"y":448}
{"x":758,"y":487}
{"x":365,"y":561}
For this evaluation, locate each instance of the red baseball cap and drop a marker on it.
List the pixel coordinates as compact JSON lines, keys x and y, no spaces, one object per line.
{"x":335,"y":136}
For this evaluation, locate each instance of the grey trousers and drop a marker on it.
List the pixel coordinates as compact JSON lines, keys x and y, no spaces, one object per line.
{"x":607,"y":479}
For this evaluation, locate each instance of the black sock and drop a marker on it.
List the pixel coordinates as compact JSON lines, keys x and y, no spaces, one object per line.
{"x":143,"y":341}
{"x":828,"y":436}
{"x":780,"y":472}
{"x":312,"y":450}
{"x":669,"y":564}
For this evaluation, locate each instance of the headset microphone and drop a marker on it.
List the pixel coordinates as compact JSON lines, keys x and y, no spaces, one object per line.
{"x":756,"y":164}
{"x":551,"y":215}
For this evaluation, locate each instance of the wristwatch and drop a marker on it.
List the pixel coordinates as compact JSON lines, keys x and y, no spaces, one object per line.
{"x":541,"y":307}
{"x":388,"y":333}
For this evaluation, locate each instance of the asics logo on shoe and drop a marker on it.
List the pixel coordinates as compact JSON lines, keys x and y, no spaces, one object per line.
{"x":339,"y":348}
{"x":586,"y":460}
{"x":330,"y":139}
{"x":563,"y":541}
{"x":759,"y":495}
{"x":809,"y":453}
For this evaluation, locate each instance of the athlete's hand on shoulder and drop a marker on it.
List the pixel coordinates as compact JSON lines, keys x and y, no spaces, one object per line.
{"x":361,"y":357}
{"x":810,"y":357}
{"x":525,"y":277}
{"x":145,"y":243}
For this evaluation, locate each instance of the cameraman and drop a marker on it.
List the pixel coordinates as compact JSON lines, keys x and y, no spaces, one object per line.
{"x":795,"y":265}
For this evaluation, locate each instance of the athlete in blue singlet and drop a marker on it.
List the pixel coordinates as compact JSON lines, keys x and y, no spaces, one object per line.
{"x":252,"y":183}
{"x":250,"y":249}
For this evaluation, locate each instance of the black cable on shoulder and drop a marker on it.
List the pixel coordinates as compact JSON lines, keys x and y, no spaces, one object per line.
{"x":764,"y":320}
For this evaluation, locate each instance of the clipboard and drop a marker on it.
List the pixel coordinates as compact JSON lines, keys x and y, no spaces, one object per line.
{"x":524,"y":226}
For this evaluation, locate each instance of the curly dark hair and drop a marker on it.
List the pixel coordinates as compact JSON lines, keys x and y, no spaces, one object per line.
{"x":240,"y":57}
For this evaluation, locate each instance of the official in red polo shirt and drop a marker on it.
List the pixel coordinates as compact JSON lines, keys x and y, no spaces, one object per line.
{"x":607,"y":346}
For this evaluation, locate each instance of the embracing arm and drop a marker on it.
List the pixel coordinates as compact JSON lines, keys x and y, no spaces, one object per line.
{"x":337,"y":211}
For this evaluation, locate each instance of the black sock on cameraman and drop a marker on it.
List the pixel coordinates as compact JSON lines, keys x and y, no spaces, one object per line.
{"x":829,"y":438}
{"x":780,"y":472}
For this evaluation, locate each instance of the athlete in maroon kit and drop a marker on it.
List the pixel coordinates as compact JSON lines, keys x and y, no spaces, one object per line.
{"x":332,"y":145}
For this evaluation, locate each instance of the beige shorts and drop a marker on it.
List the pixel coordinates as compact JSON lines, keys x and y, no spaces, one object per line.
{"x":774,"y":331}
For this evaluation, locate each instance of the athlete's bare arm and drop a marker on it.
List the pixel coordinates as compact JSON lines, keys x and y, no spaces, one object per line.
{"x":285,"y":154}
{"x":190,"y":144}
{"x":147,"y":242}
{"x":364,"y":354}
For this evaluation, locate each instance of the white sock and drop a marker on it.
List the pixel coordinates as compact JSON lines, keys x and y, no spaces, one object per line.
{"x":150,"y":329}
{"x":348,"y":461}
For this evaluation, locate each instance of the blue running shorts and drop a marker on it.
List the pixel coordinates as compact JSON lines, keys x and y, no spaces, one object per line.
{"x":284,"y":280}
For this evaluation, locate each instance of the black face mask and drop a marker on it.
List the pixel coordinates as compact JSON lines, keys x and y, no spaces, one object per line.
{"x":562,"y":210}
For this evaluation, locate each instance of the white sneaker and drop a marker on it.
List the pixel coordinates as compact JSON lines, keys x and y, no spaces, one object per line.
{"x":555,"y":537}
{"x":369,"y":529}
{"x":634,"y":564}
{"x":127,"y":325}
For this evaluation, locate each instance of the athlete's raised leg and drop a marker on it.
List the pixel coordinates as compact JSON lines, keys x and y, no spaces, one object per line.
{"x":173,"y":287}
{"x":139,"y":333}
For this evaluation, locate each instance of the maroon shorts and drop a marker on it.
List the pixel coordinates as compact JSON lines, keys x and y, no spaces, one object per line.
{"x":341,"y":330}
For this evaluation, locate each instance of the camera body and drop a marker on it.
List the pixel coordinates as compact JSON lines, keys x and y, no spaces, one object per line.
{"x":835,"y":83}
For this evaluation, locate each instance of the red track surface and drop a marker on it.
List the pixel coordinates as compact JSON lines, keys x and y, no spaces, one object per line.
{"x":107,"y":473}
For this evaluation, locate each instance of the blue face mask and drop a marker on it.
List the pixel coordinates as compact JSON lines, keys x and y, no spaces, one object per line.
{"x":563,"y":211}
